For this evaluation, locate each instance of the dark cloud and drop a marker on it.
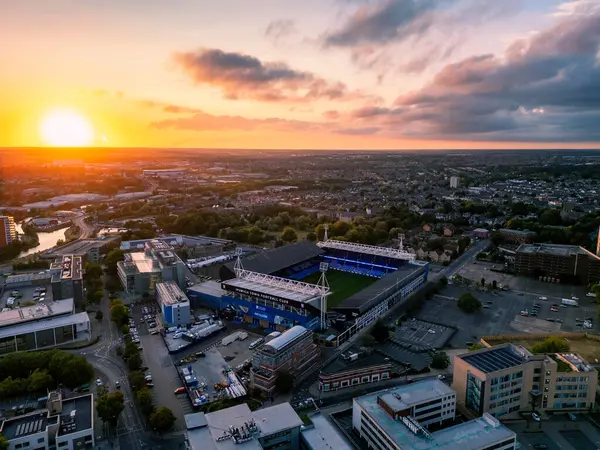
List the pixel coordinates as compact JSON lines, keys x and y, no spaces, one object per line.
{"x":546,"y":87}
{"x":383,"y":22}
{"x":244,"y":76}
{"x":278,"y":30}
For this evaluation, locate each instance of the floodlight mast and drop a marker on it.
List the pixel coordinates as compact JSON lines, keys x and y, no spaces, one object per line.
{"x":401,"y":239}
{"x":325,"y":228}
{"x":324,"y":291}
{"x":237,"y":267}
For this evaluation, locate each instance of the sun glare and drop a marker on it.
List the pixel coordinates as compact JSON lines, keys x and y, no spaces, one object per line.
{"x":66,"y":128}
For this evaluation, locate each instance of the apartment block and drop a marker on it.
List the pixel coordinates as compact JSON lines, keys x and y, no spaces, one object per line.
{"x":399,"y":418}
{"x":8,"y":230}
{"x":505,"y":379}
{"x":174,"y":304}
{"x":294,"y":352}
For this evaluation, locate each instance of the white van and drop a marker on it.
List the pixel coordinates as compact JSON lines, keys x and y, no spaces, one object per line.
{"x":256,"y":343}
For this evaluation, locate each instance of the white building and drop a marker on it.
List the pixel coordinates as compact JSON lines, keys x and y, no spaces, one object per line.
{"x":8,"y":230}
{"x":63,"y":424}
{"x":42,"y":326}
{"x":454,"y":182}
{"x":163,"y":173}
{"x":397,"y":419}
{"x":174,"y":304}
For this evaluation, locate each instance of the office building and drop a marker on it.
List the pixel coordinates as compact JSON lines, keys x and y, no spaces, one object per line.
{"x":42,"y":326}
{"x":354,"y":367}
{"x":321,"y":434}
{"x":398,"y":419}
{"x":89,"y":249}
{"x":558,"y":263}
{"x":8,"y":231}
{"x":294,"y":352}
{"x":454,"y":182}
{"x":67,"y":278}
{"x":140,"y":271}
{"x":502,"y":380}
{"x":238,"y":427}
{"x":65,"y":424}
{"x":174,"y":304}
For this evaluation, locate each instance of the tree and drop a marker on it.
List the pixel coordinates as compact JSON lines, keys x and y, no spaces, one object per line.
{"x":494,"y":284}
{"x":551,"y":345}
{"x":469,"y":303}
{"x":94,"y":296}
{"x":367,"y":340}
{"x":40,"y":380}
{"x":380,"y":331}
{"x":162,"y":419}
{"x":99,"y":316}
{"x":112,"y":258}
{"x":4,"y":444}
{"x":444,"y":281}
{"x":312,"y":236}
{"x":482,"y":281}
{"x":93,"y":271}
{"x":474,"y":347}
{"x":440,"y":360}
{"x":109,"y":407}
{"x":144,"y":397}
{"x":134,"y":362}
{"x":284,"y":382}
{"x":289,"y":234}
{"x":118,"y":313}
{"x":136,"y":380}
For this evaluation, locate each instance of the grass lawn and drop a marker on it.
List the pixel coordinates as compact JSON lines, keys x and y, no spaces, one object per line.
{"x":342,"y":284}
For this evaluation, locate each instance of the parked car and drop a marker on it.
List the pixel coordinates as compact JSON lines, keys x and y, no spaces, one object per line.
{"x":535,"y":416}
{"x":117,"y":384}
{"x":98,"y":382}
{"x":179,"y":390}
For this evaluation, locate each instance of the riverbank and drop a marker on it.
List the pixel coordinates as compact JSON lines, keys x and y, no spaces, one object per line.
{"x":72,"y":233}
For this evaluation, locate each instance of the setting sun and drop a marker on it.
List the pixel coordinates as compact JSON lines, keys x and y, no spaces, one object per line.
{"x":65,"y":128}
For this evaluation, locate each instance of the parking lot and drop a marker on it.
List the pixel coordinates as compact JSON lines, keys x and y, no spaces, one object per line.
{"x":423,"y":335}
{"x":501,"y":314}
{"x":558,"y":433}
{"x":237,"y":352}
{"x":28,"y":295}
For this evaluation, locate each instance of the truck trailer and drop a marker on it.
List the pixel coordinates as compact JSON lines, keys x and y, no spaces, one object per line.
{"x":569,"y":302}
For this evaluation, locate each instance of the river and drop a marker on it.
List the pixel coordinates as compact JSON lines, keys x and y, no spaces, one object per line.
{"x":47,"y":240}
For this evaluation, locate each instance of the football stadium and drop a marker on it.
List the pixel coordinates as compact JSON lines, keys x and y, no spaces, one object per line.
{"x":280,"y":288}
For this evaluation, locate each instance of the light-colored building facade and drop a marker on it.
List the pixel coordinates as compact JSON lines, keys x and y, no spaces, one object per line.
{"x":67,"y":278}
{"x":174,"y":304}
{"x":63,"y":425}
{"x":140,"y":271}
{"x":398,"y":419}
{"x":294,"y":352}
{"x":8,"y":230}
{"x":502,"y":380}
{"x":454,"y":182}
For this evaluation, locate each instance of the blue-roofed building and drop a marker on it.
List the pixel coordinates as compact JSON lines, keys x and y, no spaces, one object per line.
{"x":294,"y":351}
{"x":398,"y":418}
{"x":501,"y":381}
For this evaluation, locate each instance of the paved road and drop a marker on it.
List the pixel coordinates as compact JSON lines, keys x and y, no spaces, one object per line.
{"x":464,"y":259}
{"x":86,"y":229}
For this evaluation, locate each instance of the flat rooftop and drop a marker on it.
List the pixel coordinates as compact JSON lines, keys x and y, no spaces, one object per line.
{"x":339,"y":364}
{"x":45,"y":324}
{"x":404,"y":397}
{"x":170,"y":294}
{"x":35,"y":313}
{"x":211,"y":288}
{"x":323,"y":435}
{"x":496,"y":358}
{"x":76,"y":415}
{"x":80,"y":247}
{"x":554,"y":250}
{"x":269,"y":420}
{"x":27,"y":425}
{"x":472,"y":435}
{"x":142,"y":262}
{"x":28,"y":277}
{"x":576,"y":362}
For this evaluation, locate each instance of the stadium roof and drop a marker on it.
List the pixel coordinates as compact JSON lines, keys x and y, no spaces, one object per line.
{"x":495,"y":358}
{"x":368,"y":249}
{"x":276,"y":286}
{"x":280,"y":258}
{"x":365,"y":299}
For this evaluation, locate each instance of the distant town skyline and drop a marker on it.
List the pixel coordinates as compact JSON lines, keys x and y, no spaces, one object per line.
{"x":317,"y":74}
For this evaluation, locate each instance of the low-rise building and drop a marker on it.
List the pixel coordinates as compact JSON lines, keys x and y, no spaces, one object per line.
{"x":398,"y":418}
{"x":42,"y":326}
{"x":502,"y":380}
{"x":64,"y":424}
{"x":518,"y":236}
{"x":352,"y":368}
{"x":140,"y":271}
{"x":67,"y":278}
{"x":8,"y":231}
{"x":294,"y":352}
{"x":174,"y":304}
{"x":238,"y":427}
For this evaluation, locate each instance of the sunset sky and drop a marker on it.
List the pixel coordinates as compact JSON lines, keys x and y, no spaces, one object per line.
{"x":359,"y":74}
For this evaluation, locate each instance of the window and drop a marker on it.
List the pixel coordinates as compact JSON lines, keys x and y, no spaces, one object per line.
{"x":365,"y":379}
{"x":40,"y":440}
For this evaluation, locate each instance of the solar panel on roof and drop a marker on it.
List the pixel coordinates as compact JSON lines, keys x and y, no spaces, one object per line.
{"x":495,"y":360}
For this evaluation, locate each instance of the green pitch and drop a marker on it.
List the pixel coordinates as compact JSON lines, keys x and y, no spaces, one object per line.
{"x":342,"y":285}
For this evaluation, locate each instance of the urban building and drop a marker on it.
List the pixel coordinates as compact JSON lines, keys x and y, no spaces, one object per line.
{"x":482,"y":233}
{"x":517,"y":236}
{"x":398,"y":418}
{"x":558,"y":263}
{"x":174,"y":304}
{"x":42,"y":326}
{"x":8,"y":230}
{"x":89,"y":249}
{"x":64,"y":424}
{"x":502,"y":380}
{"x":321,"y":434}
{"x":67,"y":278}
{"x":265,"y":429}
{"x":352,"y":368}
{"x":454,"y":182}
{"x":163,"y":173}
{"x":140,"y":271}
{"x":294,"y":352}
